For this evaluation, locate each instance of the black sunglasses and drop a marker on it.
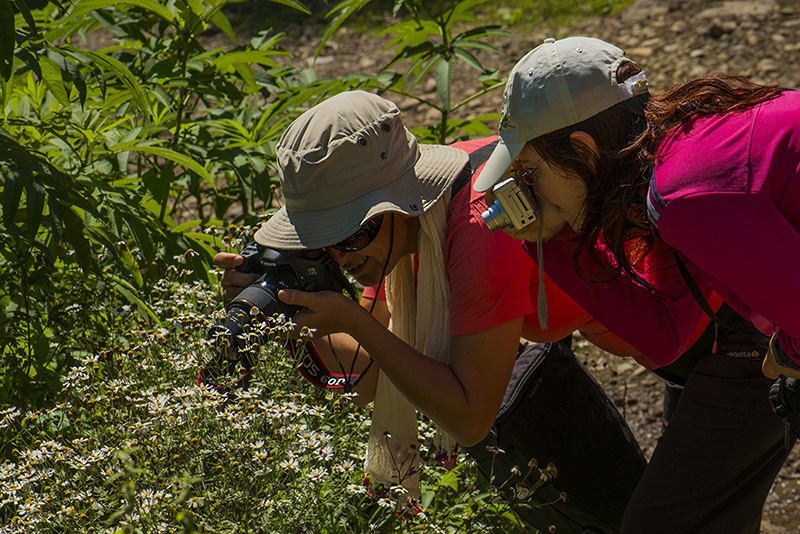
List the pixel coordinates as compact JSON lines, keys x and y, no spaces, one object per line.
{"x":362,"y":237}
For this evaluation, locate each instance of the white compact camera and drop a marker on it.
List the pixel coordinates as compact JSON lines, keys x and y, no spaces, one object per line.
{"x":513,"y":206}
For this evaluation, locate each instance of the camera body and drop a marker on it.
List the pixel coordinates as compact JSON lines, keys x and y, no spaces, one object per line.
{"x":513,"y":206}
{"x":306,"y":270}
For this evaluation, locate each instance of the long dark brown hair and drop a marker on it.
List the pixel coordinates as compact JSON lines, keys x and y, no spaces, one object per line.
{"x":616,"y":178}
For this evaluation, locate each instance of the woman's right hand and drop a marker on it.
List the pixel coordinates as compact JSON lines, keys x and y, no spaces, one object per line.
{"x":233,"y":281}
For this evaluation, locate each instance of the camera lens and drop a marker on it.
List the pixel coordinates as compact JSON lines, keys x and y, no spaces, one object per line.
{"x":494,"y":217}
{"x":263,"y":296}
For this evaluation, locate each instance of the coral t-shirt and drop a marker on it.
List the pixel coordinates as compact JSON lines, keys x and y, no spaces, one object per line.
{"x":493,"y":281}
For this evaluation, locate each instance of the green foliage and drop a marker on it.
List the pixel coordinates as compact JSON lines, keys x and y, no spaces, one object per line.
{"x":118,"y":153}
{"x":429,"y":43}
{"x":130,"y":130}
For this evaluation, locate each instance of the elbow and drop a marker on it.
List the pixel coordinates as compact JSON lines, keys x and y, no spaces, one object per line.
{"x":475,"y":431}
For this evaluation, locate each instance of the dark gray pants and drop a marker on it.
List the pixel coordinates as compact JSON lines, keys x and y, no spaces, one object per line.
{"x":721,"y":448}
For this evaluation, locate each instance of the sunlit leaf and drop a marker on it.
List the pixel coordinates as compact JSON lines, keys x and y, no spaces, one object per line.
{"x":443,"y":76}
{"x":165,"y":153}
{"x":87,"y":6}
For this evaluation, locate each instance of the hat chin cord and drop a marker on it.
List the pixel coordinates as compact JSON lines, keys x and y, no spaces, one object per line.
{"x":349,"y":384}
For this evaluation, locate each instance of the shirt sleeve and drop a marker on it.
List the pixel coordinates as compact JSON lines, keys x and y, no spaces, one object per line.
{"x":660,"y":324}
{"x":747,"y":245}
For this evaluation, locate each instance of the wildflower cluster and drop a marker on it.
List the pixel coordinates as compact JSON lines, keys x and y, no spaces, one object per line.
{"x":132,"y":444}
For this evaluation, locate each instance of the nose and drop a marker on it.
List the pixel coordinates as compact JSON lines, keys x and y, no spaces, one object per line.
{"x":337,"y":255}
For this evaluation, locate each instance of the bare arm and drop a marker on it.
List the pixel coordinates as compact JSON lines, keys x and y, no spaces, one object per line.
{"x":463,"y":397}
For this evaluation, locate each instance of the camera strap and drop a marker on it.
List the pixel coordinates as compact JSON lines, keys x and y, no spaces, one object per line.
{"x":706,"y":307}
{"x":476,"y":159}
{"x":313,"y":368}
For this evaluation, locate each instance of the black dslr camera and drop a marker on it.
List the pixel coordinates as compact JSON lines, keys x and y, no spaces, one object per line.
{"x":307,"y":270}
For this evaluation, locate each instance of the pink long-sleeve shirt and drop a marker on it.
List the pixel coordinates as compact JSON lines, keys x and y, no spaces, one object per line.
{"x":726,"y":194}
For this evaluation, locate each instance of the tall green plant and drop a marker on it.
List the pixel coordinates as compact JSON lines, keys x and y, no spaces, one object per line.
{"x":429,"y":43}
{"x":124,"y":140}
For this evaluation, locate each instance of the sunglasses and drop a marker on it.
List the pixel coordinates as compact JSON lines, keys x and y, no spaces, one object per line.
{"x":362,"y":237}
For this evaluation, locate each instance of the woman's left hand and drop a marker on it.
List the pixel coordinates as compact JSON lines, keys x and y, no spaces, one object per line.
{"x":772,"y":369}
{"x":325,"y":312}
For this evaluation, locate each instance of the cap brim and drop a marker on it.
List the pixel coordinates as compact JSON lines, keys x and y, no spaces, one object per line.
{"x":412,"y":193}
{"x":497,"y":165}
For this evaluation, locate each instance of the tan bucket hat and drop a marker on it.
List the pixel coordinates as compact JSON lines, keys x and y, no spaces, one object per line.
{"x":346,"y":160}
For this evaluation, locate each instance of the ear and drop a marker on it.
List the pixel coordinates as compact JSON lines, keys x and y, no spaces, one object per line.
{"x":585,"y":139}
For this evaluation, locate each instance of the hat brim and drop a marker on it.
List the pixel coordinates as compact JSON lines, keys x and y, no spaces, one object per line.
{"x":412,"y":194}
{"x":498,"y":164}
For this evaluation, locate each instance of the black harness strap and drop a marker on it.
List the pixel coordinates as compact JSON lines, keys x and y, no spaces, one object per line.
{"x":701,"y":300}
{"x":476,"y":159}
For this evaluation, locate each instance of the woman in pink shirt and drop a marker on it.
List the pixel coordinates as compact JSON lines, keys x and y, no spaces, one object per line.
{"x":625,"y":184}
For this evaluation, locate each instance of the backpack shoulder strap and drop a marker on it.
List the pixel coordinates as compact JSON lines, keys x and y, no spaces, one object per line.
{"x":476,"y":158}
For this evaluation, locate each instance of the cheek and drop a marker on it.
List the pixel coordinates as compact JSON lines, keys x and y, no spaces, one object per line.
{"x":566,"y":194}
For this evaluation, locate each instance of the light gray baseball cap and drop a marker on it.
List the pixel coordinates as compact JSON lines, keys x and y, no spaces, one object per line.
{"x":555,"y":85}
{"x":346,"y":160}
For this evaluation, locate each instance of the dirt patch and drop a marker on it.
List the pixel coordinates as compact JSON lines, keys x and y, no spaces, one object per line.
{"x":675,"y":40}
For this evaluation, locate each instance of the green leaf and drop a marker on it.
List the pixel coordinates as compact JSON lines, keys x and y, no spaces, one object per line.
{"x":141,"y":233}
{"x":30,"y":61}
{"x":340,"y":13}
{"x":22,"y":6}
{"x":209,"y":243}
{"x":427,"y":499}
{"x":224,"y":24}
{"x":444,"y":74}
{"x":73,"y":227}
{"x":7,"y":41}
{"x":35,"y":206}
{"x":165,"y":153}
{"x":51,"y":75}
{"x":260,"y":57}
{"x":194,"y":223}
{"x":130,"y":293}
{"x":131,"y":266}
{"x":12,"y":195}
{"x":449,"y":479}
{"x":159,"y":183}
{"x":299,"y":6}
{"x":123,"y":74}
{"x":468,"y":58}
{"x":84,"y":7}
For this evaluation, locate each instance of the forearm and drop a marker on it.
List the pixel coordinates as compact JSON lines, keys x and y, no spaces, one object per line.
{"x":461,"y":397}
{"x":658,"y":324}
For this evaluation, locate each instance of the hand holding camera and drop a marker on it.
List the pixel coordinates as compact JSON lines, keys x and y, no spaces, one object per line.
{"x":268,"y":270}
{"x":306,"y":270}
